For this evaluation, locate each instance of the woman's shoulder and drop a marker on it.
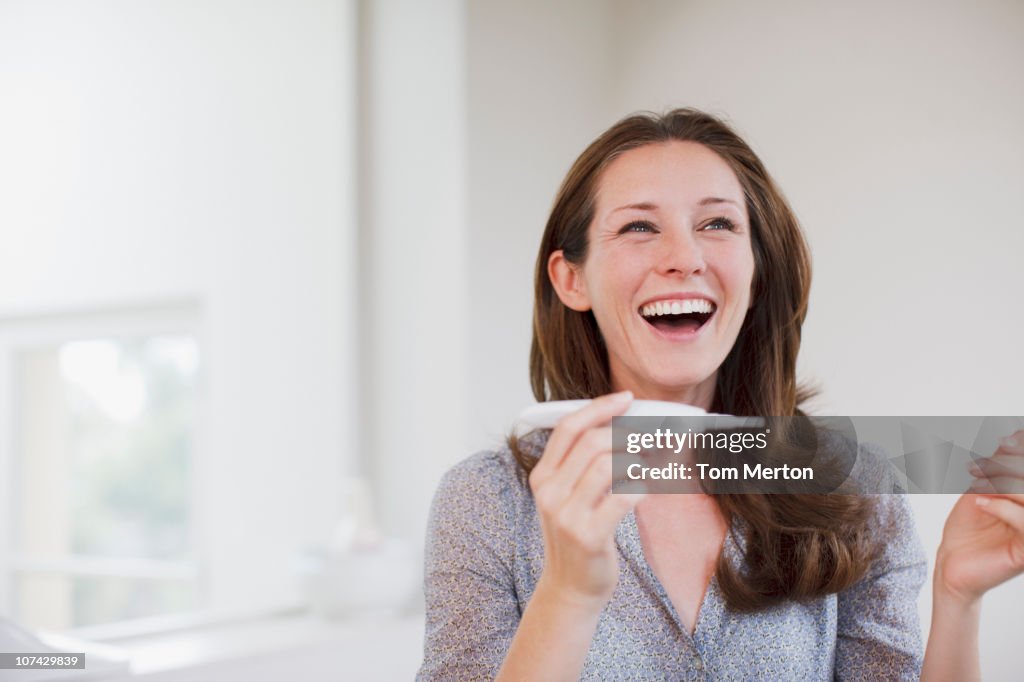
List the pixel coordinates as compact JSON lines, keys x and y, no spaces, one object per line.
{"x":493,"y":474}
{"x":864,"y":467}
{"x":870,"y":471}
{"x":891,"y":527}
{"x":480,"y":507}
{"x":482,"y":473}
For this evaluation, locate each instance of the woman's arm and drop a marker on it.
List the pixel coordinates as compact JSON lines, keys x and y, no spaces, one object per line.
{"x":982,"y":546}
{"x":878,"y":632}
{"x":472,"y":609}
{"x":952,"y":652}
{"x":578,"y":518}
{"x":474,"y":626}
{"x":553,"y":638}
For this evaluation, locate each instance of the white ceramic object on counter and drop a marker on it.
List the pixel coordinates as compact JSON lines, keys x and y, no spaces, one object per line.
{"x":375,"y":580}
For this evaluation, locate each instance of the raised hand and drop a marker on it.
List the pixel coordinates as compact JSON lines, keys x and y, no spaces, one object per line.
{"x":578,"y":515}
{"x":983,"y":540}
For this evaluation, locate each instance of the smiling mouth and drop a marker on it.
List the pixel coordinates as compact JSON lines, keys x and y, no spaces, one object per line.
{"x":678,"y":316}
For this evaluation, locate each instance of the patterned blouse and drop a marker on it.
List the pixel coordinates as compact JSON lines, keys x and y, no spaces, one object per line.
{"x":485,"y":554}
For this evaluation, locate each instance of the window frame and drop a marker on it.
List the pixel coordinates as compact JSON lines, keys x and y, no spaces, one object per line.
{"x":178,"y":316}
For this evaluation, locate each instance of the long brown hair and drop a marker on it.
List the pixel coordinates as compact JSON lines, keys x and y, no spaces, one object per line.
{"x":796,"y":546}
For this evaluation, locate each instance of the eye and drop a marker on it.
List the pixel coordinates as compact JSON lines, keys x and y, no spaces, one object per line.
{"x":638,"y":226}
{"x":720,"y":223}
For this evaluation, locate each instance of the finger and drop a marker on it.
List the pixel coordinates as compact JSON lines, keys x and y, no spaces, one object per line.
{"x":1016,"y":498}
{"x":589,"y":447}
{"x":627,"y":478}
{"x":1012,"y":445}
{"x":559,"y":485}
{"x":611,"y":509}
{"x":998,"y":484}
{"x":596,"y":413}
{"x":1007,"y":511}
{"x":593,"y":485}
{"x":998,"y":465}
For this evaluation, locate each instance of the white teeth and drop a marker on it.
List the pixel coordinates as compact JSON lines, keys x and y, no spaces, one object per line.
{"x":686,"y":306}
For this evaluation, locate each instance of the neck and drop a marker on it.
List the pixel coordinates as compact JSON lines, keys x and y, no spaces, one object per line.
{"x":700,"y":395}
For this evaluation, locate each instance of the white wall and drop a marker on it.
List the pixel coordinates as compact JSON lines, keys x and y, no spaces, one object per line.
{"x":201,"y":151}
{"x":538,"y":93}
{"x":413,"y":298}
{"x":469,"y":130}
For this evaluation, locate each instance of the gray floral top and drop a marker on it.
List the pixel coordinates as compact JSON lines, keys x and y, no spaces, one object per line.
{"x":485,"y":554}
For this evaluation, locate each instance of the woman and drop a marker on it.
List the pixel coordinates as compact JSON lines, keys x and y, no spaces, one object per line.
{"x":535,"y":571}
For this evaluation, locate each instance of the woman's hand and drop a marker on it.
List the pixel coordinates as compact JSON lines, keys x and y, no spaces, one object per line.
{"x":578,"y":515}
{"x":982,"y":546}
{"x":983,"y":540}
{"x":571,"y":486}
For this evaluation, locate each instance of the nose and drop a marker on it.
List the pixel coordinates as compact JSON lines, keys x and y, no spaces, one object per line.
{"x":681,"y":253}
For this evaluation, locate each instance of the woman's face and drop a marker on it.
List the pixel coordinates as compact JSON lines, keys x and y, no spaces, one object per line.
{"x":669,"y":269}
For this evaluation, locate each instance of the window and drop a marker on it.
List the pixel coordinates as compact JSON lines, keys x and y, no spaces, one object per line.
{"x":99,"y":427}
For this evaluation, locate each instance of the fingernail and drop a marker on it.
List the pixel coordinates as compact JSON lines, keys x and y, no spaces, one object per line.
{"x":974,"y":468}
{"x":982,"y":501}
{"x":1009,"y":442}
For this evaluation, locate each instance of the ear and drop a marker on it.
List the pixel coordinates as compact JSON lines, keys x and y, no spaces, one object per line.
{"x":567,"y":279}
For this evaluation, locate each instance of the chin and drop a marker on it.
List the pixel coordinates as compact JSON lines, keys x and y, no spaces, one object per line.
{"x":678,"y":383}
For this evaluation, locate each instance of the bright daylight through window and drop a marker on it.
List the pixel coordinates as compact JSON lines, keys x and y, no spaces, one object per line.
{"x":102,"y":438}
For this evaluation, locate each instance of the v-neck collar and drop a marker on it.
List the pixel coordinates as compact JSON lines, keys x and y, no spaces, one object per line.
{"x":712,"y":607}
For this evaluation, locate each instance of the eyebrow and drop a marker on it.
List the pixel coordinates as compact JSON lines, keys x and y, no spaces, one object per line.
{"x":648,"y":206}
{"x":716,"y":200}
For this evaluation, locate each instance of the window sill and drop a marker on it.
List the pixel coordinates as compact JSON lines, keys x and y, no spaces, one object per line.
{"x":285,"y":647}
{"x":295,"y":646}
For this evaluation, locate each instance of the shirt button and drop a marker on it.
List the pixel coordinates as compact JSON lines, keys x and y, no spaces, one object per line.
{"x":699,"y":664}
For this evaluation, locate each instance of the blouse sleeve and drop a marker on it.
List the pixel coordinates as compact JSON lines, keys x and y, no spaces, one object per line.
{"x":878,"y":629}
{"x":472,"y":610}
